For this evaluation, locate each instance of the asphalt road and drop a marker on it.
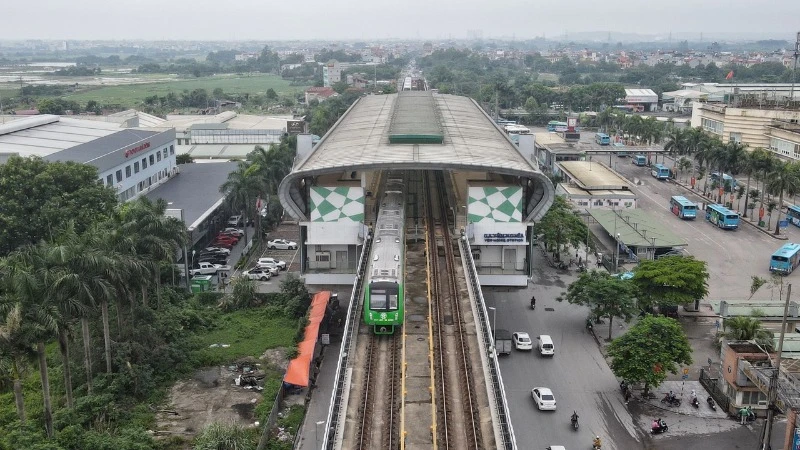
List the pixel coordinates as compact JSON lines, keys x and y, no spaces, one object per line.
{"x":578,"y":375}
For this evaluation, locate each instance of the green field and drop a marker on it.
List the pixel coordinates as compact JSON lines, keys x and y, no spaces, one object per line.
{"x":133,"y":94}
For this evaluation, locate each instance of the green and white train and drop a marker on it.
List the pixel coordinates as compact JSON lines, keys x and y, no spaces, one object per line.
{"x":383,"y":298}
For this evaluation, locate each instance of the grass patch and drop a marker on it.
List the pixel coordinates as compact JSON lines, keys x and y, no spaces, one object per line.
{"x":248,"y":332}
{"x":133,"y":94}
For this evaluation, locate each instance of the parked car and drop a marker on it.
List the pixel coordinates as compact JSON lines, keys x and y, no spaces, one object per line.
{"x":281,"y":244}
{"x":238,"y":232}
{"x":227,"y":237}
{"x":216,"y":250}
{"x":544,"y":398}
{"x":234,"y":221}
{"x":257,"y":273}
{"x":271,"y":266}
{"x":277,"y":262}
{"x":223,"y":244}
{"x":522,"y":341}
{"x":214,"y":259}
{"x":206,"y":268}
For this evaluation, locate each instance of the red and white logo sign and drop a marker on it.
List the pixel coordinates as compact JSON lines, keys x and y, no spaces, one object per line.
{"x":137,"y":149}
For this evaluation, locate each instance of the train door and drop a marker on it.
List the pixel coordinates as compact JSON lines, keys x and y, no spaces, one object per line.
{"x":509,"y":259}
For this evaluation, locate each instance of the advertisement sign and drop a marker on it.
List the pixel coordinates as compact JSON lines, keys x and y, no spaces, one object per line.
{"x":796,"y":439}
{"x":572,"y":122}
{"x":295,"y":126}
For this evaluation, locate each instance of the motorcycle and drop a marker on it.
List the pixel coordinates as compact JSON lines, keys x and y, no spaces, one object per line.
{"x":596,"y":444}
{"x":695,"y":403}
{"x":661,"y":428}
{"x":574,"y":420}
{"x":671,"y":400}
{"x":581,"y":267}
{"x":711,"y":403}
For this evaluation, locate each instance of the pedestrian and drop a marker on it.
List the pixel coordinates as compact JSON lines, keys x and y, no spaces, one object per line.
{"x":627,"y":395}
{"x":743,"y":413}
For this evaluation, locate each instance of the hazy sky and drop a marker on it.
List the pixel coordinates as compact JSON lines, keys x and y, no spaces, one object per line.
{"x":380,"y":19}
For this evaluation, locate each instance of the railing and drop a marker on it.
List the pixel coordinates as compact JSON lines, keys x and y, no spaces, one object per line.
{"x":338,"y":406}
{"x":713,"y":389}
{"x":486,"y":333}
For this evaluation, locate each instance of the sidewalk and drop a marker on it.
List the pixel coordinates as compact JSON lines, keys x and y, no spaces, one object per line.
{"x":683,"y":390}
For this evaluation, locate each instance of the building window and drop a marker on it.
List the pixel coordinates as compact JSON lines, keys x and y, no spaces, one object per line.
{"x":136,"y":167}
{"x":158,"y":156}
{"x":119,"y":175}
{"x":110,"y":180}
{"x":736,"y":137}
{"x":753,"y":397}
{"x":785,"y":148}
{"x":127,"y":171}
{"x":144,"y":163}
{"x":152,"y":159}
{"x":172,"y":149}
{"x":165,"y":153}
{"x":713,"y":126}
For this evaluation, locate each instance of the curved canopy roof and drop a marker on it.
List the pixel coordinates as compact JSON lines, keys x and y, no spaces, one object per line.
{"x":360,"y":140}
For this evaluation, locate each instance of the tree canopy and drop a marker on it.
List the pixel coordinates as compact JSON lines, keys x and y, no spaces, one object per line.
{"x":37,"y":197}
{"x":561,"y":226}
{"x":605,"y":295}
{"x":650,"y":349}
{"x":671,"y":281}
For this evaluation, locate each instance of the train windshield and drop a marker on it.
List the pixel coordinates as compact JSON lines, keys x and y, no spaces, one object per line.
{"x":383,"y":299}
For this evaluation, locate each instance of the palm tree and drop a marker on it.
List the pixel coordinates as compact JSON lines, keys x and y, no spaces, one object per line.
{"x":748,"y":329}
{"x":16,"y":349}
{"x":684,"y":164}
{"x":242,"y":188}
{"x":784,"y":178}
{"x":28,"y":279}
{"x":748,"y":165}
{"x":765,"y":167}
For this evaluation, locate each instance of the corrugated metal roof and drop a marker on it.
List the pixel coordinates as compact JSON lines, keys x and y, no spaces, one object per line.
{"x":636,"y":228}
{"x":640,"y":93}
{"x":30,"y":138}
{"x":593,"y":175}
{"x":415,"y":119}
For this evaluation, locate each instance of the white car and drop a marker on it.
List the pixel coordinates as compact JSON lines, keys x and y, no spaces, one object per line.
{"x":235,"y":221}
{"x":224,"y":250}
{"x":268,"y":266}
{"x":281,"y":264}
{"x":544,"y":398}
{"x":234,"y":231}
{"x":257,"y":273}
{"x":281,"y":244}
{"x":522,"y":341}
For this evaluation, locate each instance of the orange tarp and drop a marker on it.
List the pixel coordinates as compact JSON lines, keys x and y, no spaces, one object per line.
{"x":298,"y":370}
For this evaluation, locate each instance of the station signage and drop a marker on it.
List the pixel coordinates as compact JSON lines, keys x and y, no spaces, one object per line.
{"x":295,"y":126}
{"x":503,"y":237}
{"x":137,"y":149}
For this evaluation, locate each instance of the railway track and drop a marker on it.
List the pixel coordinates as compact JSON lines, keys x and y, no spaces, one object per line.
{"x":457,"y":415}
{"x":379,"y":416}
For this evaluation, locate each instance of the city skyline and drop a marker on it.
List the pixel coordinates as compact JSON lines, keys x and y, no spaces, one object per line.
{"x":316,"y":20}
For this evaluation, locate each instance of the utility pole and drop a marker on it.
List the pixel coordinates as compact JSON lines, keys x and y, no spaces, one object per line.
{"x":766,"y":435}
{"x":794,"y":70}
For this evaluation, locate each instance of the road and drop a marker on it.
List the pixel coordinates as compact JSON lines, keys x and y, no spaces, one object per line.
{"x":578,"y":375}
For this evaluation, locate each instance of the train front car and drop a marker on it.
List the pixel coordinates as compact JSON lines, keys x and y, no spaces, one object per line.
{"x":383,"y":299}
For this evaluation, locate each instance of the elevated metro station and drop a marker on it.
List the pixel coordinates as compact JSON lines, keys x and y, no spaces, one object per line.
{"x":496,"y":191}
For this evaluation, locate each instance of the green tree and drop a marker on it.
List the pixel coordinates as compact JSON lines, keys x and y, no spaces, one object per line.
{"x":670,"y":281}
{"x":271,"y":94}
{"x":16,"y":349}
{"x":605,"y":295}
{"x":784,"y":178}
{"x":224,"y":437}
{"x":242,"y":188}
{"x":183,"y":158}
{"x":561,"y":226}
{"x":38,"y":197}
{"x":748,"y":329}
{"x":650,"y":349}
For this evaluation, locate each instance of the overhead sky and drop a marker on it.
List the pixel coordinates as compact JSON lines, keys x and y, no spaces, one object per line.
{"x":381,"y":19}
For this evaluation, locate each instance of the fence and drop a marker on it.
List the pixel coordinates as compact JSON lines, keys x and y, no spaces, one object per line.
{"x":711,"y":385}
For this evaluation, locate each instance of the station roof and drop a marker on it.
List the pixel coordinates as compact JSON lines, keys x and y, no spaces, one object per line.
{"x":360,"y":139}
{"x":636,"y":228}
{"x":230,"y":119}
{"x":590,"y":175}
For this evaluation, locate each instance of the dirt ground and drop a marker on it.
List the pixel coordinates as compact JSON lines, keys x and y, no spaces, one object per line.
{"x":211,"y":395}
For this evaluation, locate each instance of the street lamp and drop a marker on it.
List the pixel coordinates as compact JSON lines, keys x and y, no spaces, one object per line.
{"x":616,"y":254}
{"x":494,"y":321}
{"x":192,"y":262}
{"x":316,"y":430}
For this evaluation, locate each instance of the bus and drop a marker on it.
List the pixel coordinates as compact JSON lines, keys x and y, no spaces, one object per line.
{"x":660,"y":171}
{"x":785,"y":259}
{"x":682,"y":207}
{"x":793,"y":215}
{"x":722,"y":217}
{"x":555,"y":125}
{"x":602,"y":139}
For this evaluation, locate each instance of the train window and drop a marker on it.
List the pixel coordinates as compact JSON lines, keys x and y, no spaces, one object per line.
{"x":393,"y":301}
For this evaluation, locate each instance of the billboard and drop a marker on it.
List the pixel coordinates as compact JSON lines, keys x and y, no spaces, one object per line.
{"x":295,"y":126}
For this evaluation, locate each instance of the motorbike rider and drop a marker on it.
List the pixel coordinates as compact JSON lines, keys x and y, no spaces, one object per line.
{"x":574,"y":418}
{"x":533,"y":301}
{"x":596,"y":443}
{"x":656,"y":424}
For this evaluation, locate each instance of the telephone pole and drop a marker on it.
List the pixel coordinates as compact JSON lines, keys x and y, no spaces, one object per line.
{"x":766,"y":435}
{"x":794,"y":70}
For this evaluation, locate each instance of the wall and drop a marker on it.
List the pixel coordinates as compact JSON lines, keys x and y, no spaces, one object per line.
{"x":336,"y":204}
{"x":494,"y":204}
{"x":134,"y":184}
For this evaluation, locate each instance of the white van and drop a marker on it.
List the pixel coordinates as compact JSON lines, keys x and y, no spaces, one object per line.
{"x":546,"y":347}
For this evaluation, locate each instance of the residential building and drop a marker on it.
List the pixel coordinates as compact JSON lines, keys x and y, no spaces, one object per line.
{"x":319,"y":93}
{"x":331,"y":73}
